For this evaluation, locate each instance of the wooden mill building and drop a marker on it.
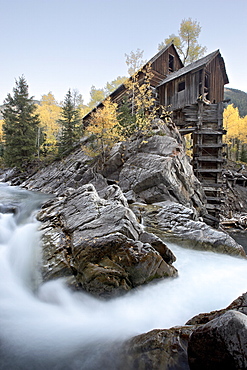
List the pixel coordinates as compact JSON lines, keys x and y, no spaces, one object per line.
{"x":195,"y":94}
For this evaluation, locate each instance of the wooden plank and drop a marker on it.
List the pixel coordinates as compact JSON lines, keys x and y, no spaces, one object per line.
{"x":208,"y":170}
{"x":214,"y":199}
{"x":220,"y":145}
{"x":210,"y":159}
{"x":212,"y":187}
{"x":185,"y":131}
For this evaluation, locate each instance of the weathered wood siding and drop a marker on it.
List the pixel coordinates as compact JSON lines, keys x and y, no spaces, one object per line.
{"x":161,"y":64}
{"x":207,"y":82}
{"x":177,"y":98}
{"x":216,"y":81}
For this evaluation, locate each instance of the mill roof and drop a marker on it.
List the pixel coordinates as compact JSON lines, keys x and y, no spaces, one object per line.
{"x":196,"y":65}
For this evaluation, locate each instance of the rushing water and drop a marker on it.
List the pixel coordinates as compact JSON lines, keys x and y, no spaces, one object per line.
{"x":46,"y":326}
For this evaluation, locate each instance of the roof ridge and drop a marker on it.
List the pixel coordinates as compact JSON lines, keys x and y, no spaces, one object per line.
{"x":198,"y":63}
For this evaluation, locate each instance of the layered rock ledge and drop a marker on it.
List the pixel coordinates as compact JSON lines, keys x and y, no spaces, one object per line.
{"x":98,"y":245}
{"x":180,"y":224}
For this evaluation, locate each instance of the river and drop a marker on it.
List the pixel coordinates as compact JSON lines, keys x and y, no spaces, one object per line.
{"x":46,"y":326}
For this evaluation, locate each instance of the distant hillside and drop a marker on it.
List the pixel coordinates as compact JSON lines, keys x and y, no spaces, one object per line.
{"x":238,"y":99}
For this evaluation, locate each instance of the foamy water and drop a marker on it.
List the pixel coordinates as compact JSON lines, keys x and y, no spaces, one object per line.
{"x":46,"y":326}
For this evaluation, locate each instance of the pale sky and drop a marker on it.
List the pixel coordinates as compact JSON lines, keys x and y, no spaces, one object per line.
{"x":74,"y":44}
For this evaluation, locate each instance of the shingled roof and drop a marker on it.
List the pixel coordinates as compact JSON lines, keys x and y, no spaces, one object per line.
{"x":196,"y":65}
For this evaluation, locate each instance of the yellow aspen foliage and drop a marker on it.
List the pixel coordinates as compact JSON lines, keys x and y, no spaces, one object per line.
{"x":236,"y":136}
{"x":142,"y":99}
{"x":235,"y":125}
{"x":243,"y":130}
{"x":1,"y":129}
{"x":231,"y":120}
{"x":105,"y":128}
{"x":49,"y":113}
{"x":84,"y":110}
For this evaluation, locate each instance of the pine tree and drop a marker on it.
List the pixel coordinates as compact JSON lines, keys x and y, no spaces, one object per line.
{"x":20,"y":126}
{"x":70,"y":124}
{"x":127,"y":120}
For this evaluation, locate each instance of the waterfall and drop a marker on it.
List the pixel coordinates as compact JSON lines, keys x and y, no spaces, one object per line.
{"x":47,"y":326}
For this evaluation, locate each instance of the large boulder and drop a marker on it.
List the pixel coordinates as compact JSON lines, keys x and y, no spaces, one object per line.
{"x":157,"y":169}
{"x":220,"y":344}
{"x":212,"y":341}
{"x":180,"y":224}
{"x":98,"y":244}
{"x":239,"y":304}
{"x":158,"y":349}
{"x":114,"y":264}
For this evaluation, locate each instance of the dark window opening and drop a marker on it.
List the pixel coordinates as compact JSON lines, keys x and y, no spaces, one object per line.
{"x":206,"y":87}
{"x":200,"y":82}
{"x":171,"y":63}
{"x":181,"y":86}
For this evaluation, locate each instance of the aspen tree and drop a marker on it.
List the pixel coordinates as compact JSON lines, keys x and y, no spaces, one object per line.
{"x":104,"y":127}
{"x":49,"y":113}
{"x":236,"y":131}
{"x":134,"y":61}
{"x":97,"y":96}
{"x":140,"y":93}
{"x":1,"y":129}
{"x":186,"y":41}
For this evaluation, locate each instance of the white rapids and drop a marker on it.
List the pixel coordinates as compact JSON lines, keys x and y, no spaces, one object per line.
{"x":47,"y":326}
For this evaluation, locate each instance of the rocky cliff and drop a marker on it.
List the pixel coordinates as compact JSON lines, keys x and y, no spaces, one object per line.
{"x":151,"y":175}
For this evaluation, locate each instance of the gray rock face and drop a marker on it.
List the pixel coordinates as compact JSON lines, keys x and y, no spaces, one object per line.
{"x":157,"y":169}
{"x":239,"y":304}
{"x":181,"y":224}
{"x":98,"y":244}
{"x":219,"y":338}
{"x":114,"y":264}
{"x":149,"y":169}
{"x":157,"y":349}
{"x":212,"y":341}
{"x":220,"y":344}
{"x":71,"y":172}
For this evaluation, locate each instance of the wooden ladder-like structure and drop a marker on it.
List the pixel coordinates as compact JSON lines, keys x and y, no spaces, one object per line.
{"x":205,"y":122}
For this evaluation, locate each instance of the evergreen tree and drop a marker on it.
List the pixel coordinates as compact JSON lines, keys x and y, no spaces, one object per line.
{"x":127,"y":120}
{"x":70,"y":124}
{"x":20,"y":126}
